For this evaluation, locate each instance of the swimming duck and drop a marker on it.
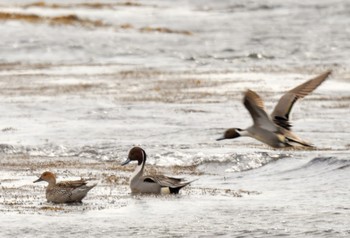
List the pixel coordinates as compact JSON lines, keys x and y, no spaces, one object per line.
{"x":275,"y":130}
{"x":66,"y":191}
{"x":152,"y":184}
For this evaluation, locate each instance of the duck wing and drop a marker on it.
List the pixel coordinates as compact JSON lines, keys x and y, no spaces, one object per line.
{"x":255,"y":105}
{"x":294,"y":140}
{"x":72,"y":184}
{"x":280,"y":115}
{"x":165,"y":181}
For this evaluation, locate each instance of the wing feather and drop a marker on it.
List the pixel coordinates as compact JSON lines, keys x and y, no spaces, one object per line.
{"x":284,"y":106}
{"x":255,"y":105}
{"x":165,"y":181}
{"x":71,"y":184}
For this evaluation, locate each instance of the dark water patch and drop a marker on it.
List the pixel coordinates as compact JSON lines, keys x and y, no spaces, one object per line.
{"x":239,"y":7}
{"x":323,"y":233}
{"x":344,"y":166}
{"x":5,"y":148}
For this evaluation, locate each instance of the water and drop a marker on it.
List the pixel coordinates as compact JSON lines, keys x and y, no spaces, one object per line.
{"x":168,"y":76}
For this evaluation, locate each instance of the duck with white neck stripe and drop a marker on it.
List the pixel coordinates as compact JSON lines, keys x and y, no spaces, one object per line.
{"x":275,"y":130}
{"x":151,"y":184}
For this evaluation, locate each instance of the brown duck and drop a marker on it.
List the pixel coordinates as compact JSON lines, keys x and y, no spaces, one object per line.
{"x":66,"y":191}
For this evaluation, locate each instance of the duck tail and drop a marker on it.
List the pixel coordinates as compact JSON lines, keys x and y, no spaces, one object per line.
{"x":175,"y":190}
{"x":299,"y":142}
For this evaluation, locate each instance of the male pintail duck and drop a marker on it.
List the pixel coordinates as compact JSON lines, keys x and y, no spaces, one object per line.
{"x":152,"y":184}
{"x":64,"y":192}
{"x":275,"y":130}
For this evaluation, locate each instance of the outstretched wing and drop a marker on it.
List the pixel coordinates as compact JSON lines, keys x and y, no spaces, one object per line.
{"x":280,"y":115}
{"x":255,"y":106}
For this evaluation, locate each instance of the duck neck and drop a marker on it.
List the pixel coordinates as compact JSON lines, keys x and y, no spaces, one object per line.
{"x":243,"y":132}
{"x":138,"y":172}
{"x":52,"y":182}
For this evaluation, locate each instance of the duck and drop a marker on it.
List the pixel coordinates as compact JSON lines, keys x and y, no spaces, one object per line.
{"x":65,"y":191}
{"x":151,"y":184}
{"x":275,"y":129}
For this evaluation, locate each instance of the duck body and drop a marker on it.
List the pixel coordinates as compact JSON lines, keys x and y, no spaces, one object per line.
{"x":273,"y":139}
{"x":157,"y":184}
{"x":280,"y":138}
{"x":151,"y":184}
{"x":66,"y":191}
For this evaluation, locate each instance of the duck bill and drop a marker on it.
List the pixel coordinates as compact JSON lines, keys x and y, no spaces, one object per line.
{"x":221,"y":138}
{"x":38,"y":180}
{"x":126,"y":162}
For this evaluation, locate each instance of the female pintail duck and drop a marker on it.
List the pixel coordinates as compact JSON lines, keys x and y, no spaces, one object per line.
{"x":275,"y":130}
{"x":64,"y":192}
{"x":154,"y":184}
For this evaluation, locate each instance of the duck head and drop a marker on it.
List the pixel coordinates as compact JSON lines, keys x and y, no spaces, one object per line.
{"x":136,"y":154}
{"x":231,"y":134}
{"x":48,"y":177}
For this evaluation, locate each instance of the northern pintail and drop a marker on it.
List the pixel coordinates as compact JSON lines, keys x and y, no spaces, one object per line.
{"x":275,"y":130}
{"x":153,"y":184}
{"x":64,"y":192}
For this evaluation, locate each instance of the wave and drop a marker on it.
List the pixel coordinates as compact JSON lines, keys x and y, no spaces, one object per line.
{"x":167,"y":156}
{"x":320,"y":165}
{"x":160,"y":156}
{"x":239,"y":162}
{"x":330,"y":162}
{"x":51,"y":150}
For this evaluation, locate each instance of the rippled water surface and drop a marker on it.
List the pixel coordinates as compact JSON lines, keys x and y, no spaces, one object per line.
{"x":82,"y":82}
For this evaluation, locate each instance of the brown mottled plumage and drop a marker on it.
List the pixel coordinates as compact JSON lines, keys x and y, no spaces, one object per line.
{"x":155,"y":184}
{"x":66,"y":191}
{"x":275,"y":130}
